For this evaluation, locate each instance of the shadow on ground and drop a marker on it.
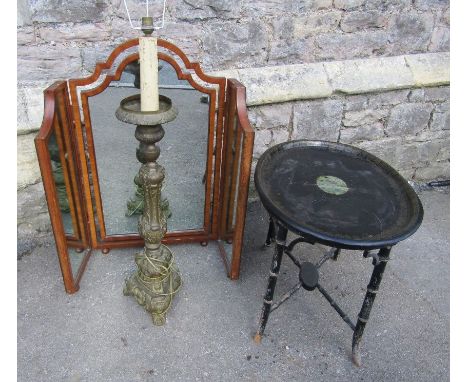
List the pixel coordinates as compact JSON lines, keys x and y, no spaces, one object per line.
{"x":100,"y":335}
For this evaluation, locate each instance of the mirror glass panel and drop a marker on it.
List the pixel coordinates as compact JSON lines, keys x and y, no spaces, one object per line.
{"x":60,"y":176}
{"x":183,"y":154}
{"x":60,"y":186}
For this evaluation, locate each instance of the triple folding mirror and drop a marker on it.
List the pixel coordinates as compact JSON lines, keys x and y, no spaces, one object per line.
{"x":88,"y":160}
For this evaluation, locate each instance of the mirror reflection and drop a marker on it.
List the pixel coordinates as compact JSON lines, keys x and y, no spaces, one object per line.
{"x":57,"y":158}
{"x":183,"y":154}
{"x":60,"y":187}
{"x":233,"y":160}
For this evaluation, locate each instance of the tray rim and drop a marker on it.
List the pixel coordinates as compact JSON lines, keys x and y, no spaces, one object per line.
{"x":329,"y":239}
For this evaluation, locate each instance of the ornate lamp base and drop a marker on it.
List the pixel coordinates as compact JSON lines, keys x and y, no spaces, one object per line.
{"x":157,"y":278}
{"x":154,"y":283}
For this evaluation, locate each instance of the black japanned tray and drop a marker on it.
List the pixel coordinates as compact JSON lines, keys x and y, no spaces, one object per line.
{"x":337,"y":194}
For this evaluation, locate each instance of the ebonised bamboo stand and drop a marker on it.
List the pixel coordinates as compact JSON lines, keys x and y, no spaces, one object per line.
{"x":339,"y":196}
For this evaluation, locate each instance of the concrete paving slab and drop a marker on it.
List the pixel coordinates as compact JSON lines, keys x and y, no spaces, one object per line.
{"x":98,"y":334}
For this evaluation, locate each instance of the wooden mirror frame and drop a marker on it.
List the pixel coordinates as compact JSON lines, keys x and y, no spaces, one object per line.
{"x":228,"y":127}
{"x":99,"y":237}
{"x":238,"y":145}
{"x":57,"y":119}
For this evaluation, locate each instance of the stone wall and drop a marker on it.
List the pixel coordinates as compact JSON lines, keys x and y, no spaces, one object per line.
{"x":320,"y":54}
{"x":409,"y":129}
{"x":62,"y":39}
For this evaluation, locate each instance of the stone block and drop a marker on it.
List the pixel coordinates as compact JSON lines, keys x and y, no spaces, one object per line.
{"x":431,"y":4}
{"x":446,"y":17}
{"x":444,"y":152}
{"x":433,"y":171}
{"x":407,"y":174}
{"x":338,"y":46}
{"x":34,"y":100}
{"x":348,"y":4}
{"x":429,"y":135}
{"x":416,"y":95}
{"x":194,"y":10}
{"x":30,"y":105}
{"x":285,"y":83}
{"x":317,"y":120}
{"x":291,"y":51}
{"x":292,"y":38}
{"x":261,"y":8}
{"x":414,"y":154}
{"x":279,"y":136}
{"x":91,"y":55}
{"x":440,"y":121}
{"x":359,"y":20}
{"x":228,"y":44}
{"x":440,"y":40}
{"x":393,"y":97}
{"x":23,"y":13}
{"x":383,"y":149}
{"x":187,"y":36}
{"x":432,"y":94}
{"x":44,"y":62}
{"x":263,"y":139}
{"x":408,"y":119}
{"x":377,"y":77}
{"x":21,"y":111}
{"x":430,"y":69}
{"x":444,"y":106}
{"x":220,"y":6}
{"x":364,"y":117}
{"x":410,"y":32}
{"x":372,"y":75}
{"x":27,"y":166}
{"x":275,"y":116}
{"x":429,"y":150}
{"x":362,"y":133}
{"x":25,"y":35}
{"x":308,"y":26}
{"x":436,"y":94}
{"x":90,"y":32}
{"x":76,"y":11}
{"x":120,"y":28}
{"x":386,"y":5}
{"x":316,"y":4}
{"x":355,"y":103}
{"x":406,"y":156}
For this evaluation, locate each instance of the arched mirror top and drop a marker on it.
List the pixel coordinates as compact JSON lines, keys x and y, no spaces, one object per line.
{"x":126,"y":53}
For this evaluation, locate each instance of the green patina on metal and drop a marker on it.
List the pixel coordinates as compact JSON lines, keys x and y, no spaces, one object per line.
{"x":157,"y":278}
{"x":135,"y":204}
{"x":332,"y":185}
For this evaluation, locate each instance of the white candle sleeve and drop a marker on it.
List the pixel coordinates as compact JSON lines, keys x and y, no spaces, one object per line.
{"x":149,"y":73}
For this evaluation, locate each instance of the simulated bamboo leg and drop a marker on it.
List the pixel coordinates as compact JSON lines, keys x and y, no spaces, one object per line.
{"x":270,"y":234}
{"x":274,"y":270}
{"x":380,"y":263}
